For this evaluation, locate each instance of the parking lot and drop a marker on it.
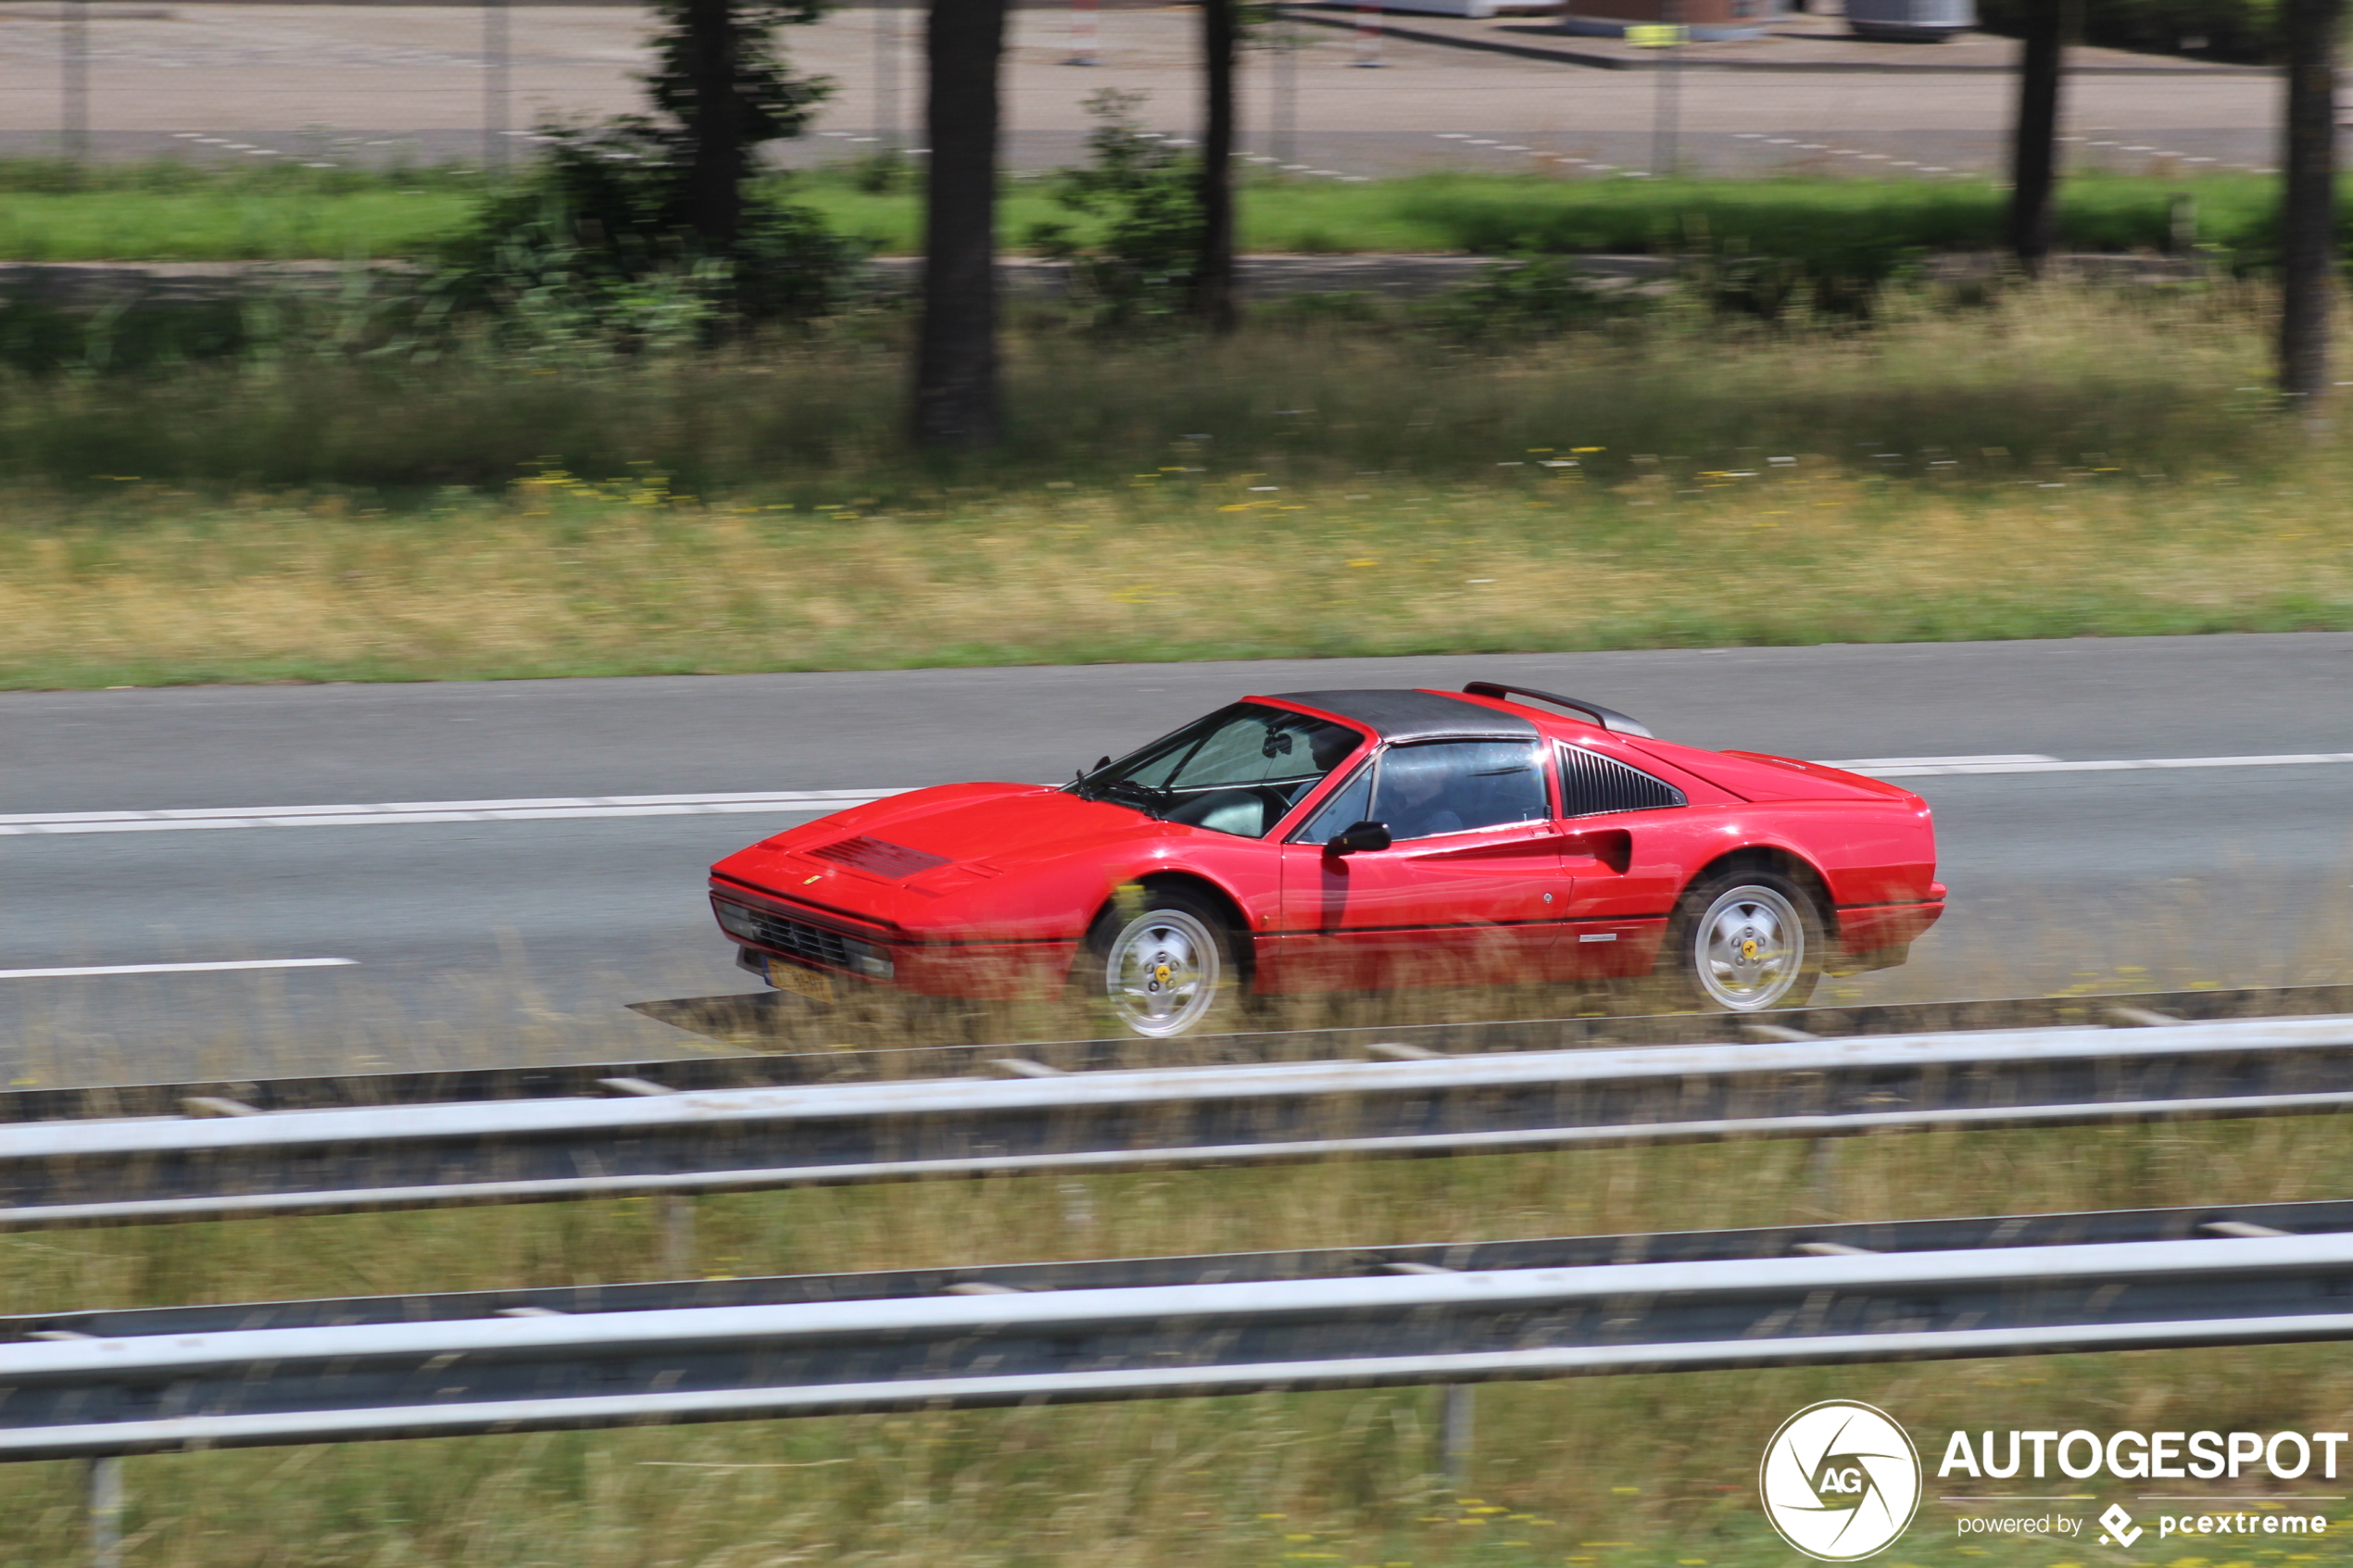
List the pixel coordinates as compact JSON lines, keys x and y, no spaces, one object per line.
{"x":378,"y":83}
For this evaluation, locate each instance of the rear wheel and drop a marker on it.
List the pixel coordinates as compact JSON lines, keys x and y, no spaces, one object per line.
{"x":1165,"y":970}
{"x":1744,"y":941}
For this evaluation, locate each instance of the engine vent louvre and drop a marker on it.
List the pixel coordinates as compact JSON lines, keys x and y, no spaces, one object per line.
{"x":1592,"y":785}
{"x":877,"y":856}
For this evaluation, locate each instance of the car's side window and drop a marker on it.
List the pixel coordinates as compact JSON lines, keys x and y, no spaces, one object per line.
{"x":1593,"y":786}
{"x":1349,"y":805}
{"x":1454,"y":786}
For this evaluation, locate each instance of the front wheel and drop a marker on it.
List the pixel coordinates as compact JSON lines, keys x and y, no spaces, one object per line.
{"x":1166,"y":969}
{"x":1743,"y":943}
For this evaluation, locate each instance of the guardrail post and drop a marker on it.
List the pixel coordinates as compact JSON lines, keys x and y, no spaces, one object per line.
{"x":1821,"y":1177}
{"x":1454,"y":1433}
{"x":678,"y":1234}
{"x":106,"y":1511}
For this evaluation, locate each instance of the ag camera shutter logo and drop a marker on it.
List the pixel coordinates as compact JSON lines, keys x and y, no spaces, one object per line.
{"x":1839,"y":1481}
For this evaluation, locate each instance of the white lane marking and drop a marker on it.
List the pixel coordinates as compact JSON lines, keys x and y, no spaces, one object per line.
{"x":1866,"y":764}
{"x":1924,"y":767}
{"x":173,"y":968}
{"x":559,"y":808}
{"x":818,"y":801}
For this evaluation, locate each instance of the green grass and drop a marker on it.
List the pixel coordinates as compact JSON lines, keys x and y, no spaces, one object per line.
{"x":1599,"y":1472}
{"x":178,"y":212}
{"x":1862,"y":226}
{"x":171,"y":209}
{"x":275,"y":226}
{"x":2072,"y":377}
{"x":2060,"y":462}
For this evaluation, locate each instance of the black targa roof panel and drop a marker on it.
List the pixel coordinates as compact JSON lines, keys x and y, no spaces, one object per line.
{"x":1410,"y":715}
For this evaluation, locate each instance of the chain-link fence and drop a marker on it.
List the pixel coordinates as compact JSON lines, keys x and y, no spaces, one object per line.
{"x":378,"y":84}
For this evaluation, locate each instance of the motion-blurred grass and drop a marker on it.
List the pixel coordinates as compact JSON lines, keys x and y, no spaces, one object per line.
{"x":2061,"y":463}
{"x":1601,"y":1472}
{"x":163,"y":593}
{"x":176,"y":211}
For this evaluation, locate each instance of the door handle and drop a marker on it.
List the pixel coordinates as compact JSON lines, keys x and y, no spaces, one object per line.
{"x":1612,"y":846}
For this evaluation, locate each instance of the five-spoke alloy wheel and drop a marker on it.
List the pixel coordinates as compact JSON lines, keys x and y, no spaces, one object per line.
{"x":1166,"y":969}
{"x":1745,"y":942}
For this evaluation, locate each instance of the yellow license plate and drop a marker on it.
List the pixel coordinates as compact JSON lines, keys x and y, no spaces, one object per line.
{"x":801,"y":982}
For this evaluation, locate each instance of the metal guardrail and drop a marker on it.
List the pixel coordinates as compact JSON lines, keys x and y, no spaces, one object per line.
{"x":751,"y":1018}
{"x":646,"y":1140}
{"x":103,"y":1384}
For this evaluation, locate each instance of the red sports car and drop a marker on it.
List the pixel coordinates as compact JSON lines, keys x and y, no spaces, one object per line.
{"x":1351,"y":841}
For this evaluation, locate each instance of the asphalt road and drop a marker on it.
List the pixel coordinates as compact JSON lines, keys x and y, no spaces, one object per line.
{"x":478,"y":940}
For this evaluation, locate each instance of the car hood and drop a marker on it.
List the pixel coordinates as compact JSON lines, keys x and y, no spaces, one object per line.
{"x":894,"y":861}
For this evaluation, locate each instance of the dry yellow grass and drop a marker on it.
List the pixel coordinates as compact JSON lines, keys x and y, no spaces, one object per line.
{"x":567,"y":578}
{"x":2061,"y":461}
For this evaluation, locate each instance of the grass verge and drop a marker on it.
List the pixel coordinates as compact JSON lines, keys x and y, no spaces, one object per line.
{"x":179,"y":212}
{"x":590,"y":583}
{"x":1601,"y":1472}
{"x":2063,"y":463}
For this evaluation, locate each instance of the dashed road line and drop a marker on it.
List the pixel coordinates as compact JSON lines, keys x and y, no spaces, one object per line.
{"x":810,"y":802}
{"x":87,"y":971}
{"x":558,"y":809}
{"x":1931,"y":767}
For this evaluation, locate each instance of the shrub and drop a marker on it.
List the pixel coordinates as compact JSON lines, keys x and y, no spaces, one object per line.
{"x":608,"y":228}
{"x":1143,"y":188}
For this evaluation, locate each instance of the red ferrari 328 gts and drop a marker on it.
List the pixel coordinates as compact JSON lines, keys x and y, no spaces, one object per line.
{"x":1351,"y":841}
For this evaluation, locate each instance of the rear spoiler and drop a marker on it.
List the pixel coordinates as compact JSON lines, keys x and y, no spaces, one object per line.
{"x":1607,"y":717}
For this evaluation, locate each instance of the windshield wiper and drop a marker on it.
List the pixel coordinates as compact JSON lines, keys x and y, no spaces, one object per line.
{"x":1143,"y":796}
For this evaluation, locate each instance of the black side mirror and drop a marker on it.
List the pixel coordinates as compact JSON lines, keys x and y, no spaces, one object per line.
{"x":1359,"y":839}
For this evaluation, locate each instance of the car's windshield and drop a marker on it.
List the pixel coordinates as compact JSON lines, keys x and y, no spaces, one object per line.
{"x":1238,"y":770}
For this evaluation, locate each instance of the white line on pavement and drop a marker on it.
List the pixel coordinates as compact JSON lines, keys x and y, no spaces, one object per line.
{"x":1933,"y":766}
{"x":1873,"y":764}
{"x":173,"y":968}
{"x":561,"y":808}
{"x":819,"y":801}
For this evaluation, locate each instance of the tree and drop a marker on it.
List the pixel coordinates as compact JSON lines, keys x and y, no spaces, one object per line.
{"x":1214,"y":274}
{"x":646,"y":225}
{"x":956,"y":403}
{"x":2035,"y":136}
{"x":721,"y":76}
{"x":2307,"y":197}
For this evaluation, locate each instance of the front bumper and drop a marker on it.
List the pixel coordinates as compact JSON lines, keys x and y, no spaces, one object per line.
{"x":764,"y":924}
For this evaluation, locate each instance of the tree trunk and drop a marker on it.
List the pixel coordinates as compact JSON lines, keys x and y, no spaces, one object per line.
{"x":956,"y":352}
{"x":2307,"y":206}
{"x":1214,"y":273}
{"x":714,"y":179}
{"x":2034,"y":137}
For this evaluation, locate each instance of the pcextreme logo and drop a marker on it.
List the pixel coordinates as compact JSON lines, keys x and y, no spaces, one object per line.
{"x":1839,"y":1481}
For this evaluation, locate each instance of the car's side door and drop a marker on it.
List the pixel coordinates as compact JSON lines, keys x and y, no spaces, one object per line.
{"x":1625,"y":845}
{"x":1470,"y":890}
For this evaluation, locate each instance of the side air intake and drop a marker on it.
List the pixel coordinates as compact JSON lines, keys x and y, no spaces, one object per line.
{"x":1592,"y":785}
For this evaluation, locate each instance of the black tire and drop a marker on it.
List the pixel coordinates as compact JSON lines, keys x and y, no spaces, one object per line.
{"x":1745,"y":939}
{"x":1163,"y":961}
